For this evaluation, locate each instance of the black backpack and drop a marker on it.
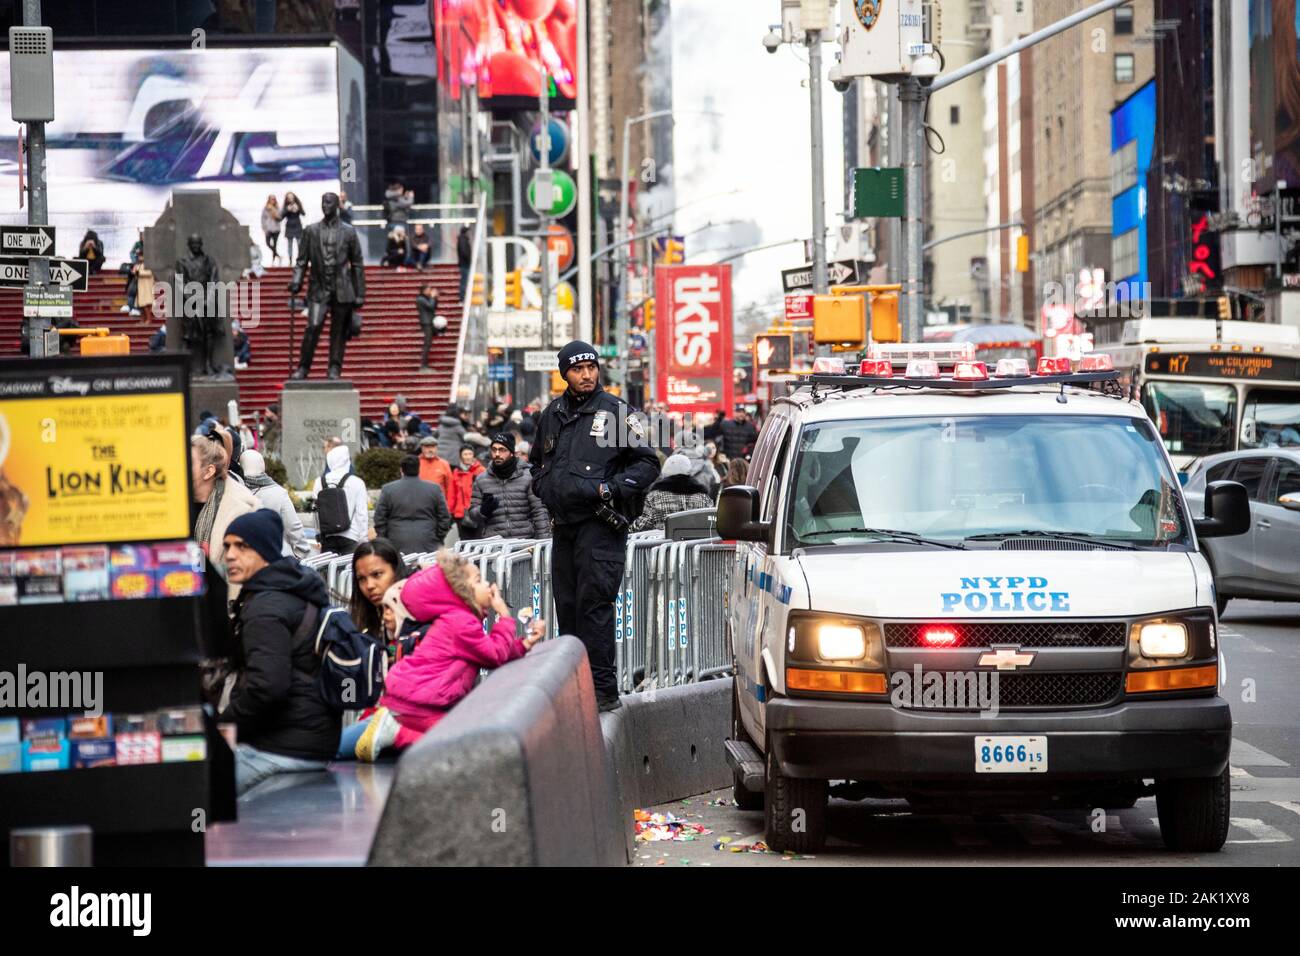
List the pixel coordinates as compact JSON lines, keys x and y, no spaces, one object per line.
{"x":353,"y":664}
{"x":332,"y":513}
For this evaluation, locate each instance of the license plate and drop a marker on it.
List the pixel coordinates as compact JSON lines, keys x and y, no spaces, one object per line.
{"x":1005,"y":754}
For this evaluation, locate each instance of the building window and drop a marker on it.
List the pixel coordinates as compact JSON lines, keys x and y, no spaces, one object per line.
{"x":1123,"y":67}
{"x":954,"y":115}
{"x":1123,"y":21}
{"x":1123,"y":168}
{"x":1124,"y":255}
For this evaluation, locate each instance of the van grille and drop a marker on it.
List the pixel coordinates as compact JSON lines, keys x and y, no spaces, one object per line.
{"x":1060,"y":633}
{"x":1026,"y":691}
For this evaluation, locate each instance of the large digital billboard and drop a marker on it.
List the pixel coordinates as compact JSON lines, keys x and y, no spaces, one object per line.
{"x":1275,"y":91}
{"x":501,"y":46}
{"x":693,"y":337}
{"x":131,"y":126}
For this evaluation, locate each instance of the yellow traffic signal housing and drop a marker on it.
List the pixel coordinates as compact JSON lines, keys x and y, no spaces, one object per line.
{"x":648,"y":314}
{"x":1022,"y":253}
{"x":840,"y":320}
{"x":884,"y":318}
{"x":1225,"y":307}
{"x":674,"y":252}
{"x":478,"y":294}
{"x":558,"y":384}
{"x":515,"y":289}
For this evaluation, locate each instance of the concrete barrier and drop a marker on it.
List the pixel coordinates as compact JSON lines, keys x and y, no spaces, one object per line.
{"x":522,"y":773}
{"x":516,"y":774}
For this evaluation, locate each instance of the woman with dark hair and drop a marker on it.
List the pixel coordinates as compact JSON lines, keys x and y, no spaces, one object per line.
{"x":737,"y":473}
{"x":92,"y":250}
{"x":291,"y":216}
{"x":376,"y":566}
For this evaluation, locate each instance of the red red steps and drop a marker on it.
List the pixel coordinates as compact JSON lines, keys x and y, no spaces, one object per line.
{"x":382,"y":363}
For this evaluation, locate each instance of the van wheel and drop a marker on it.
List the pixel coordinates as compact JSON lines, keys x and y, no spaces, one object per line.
{"x":746,"y":799}
{"x":795,"y":817}
{"x":1194,"y":813}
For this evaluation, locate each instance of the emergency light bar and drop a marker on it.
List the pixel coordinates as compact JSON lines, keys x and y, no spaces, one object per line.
{"x":923,"y":370}
{"x":945,"y":353}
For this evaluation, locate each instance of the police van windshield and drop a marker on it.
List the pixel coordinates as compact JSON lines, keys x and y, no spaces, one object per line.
{"x":956,"y":481}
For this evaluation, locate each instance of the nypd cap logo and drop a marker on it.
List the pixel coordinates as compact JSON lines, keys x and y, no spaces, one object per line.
{"x":582,"y":357}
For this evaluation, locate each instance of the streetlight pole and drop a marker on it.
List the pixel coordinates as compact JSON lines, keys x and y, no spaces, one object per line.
{"x":814,"y":38}
{"x":38,"y":267}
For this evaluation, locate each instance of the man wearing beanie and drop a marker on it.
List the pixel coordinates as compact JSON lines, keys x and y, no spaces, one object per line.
{"x":502,"y":501}
{"x":592,"y":467}
{"x":283,"y":723}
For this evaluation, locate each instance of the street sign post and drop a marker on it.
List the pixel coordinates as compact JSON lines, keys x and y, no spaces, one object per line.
{"x":47,"y":303}
{"x":73,"y":273}
{"x":879,"y":192}
{"x":841,"y":272}
{"x":27,"y":240}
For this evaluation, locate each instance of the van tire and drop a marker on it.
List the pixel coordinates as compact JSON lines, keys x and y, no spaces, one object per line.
{"x":1194,"y":813}
{"x":745,"y":798}
{"x":794,"y":818}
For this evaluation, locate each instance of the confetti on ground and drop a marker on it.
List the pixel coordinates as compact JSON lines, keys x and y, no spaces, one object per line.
{"x":656,"y":827}
{"x":758,"y":846}
{"x":722,"y":802}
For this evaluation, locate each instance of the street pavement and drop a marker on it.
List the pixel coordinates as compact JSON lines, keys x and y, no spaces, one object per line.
{"x":1260,"y":644}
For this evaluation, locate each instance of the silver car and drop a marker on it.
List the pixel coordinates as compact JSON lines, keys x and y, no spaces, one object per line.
{"x":1264,"y":563}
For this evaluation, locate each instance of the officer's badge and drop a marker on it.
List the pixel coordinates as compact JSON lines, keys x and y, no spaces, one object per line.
{"x":600,"y":424}
{"x":636,"y":426}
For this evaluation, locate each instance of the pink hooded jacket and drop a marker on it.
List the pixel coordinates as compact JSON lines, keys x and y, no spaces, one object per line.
{"x":421,"y":688}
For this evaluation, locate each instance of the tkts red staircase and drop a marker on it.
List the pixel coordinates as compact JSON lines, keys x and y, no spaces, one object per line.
{"x":382,"y":363}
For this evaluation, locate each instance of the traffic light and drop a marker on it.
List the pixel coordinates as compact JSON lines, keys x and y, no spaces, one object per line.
{"x":1022,"y":253}
{"x":558,"y":384}
{"x":840,"y":320}
{"x":478,"y":292}
{"x":515,"y":289}
{"x":648,"y":314}
{"x":773,"y":352}
{"x":1225,"y":307}
{"x":674,"y":251}
{"x":884,"y":318}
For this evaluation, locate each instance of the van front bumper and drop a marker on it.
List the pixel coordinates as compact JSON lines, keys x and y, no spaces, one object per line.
{"x":852,"y":740}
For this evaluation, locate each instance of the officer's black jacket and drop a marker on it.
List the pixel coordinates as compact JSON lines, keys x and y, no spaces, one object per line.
{"x":570,"y":459}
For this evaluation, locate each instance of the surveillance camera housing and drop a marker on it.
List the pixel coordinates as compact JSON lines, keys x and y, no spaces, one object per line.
{"x":772,"y":42}
{"x":838,"y":80}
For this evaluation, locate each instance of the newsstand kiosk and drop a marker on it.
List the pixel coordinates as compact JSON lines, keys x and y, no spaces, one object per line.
{"x":106,"y":609}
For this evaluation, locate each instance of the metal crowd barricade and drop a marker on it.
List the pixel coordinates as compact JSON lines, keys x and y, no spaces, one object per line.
{"x":634,"y":611}
{"x":710,"y":569}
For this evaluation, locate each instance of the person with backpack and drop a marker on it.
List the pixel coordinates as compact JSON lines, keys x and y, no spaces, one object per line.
{"x":342,"y":513}
{"x":424,"y":685}
{"x":284,"y":723}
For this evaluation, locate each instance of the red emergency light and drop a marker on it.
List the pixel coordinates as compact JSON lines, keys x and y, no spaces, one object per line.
{"x":939,"y":637}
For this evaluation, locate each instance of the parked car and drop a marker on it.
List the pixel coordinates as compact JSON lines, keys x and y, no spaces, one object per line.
{"x":1264,"y":563}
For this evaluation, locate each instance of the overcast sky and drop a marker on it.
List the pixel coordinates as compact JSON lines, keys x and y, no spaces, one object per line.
{"x":760,"y":144}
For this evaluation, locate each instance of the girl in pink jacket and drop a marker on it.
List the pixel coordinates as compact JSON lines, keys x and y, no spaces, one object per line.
{"x":422,"y":687}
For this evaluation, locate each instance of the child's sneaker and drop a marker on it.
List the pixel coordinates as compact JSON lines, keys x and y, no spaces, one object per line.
{"x":379,"y":733}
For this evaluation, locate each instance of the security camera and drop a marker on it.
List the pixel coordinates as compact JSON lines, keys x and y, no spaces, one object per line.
{"x":772,"y":42}
{"x":838,"y":79}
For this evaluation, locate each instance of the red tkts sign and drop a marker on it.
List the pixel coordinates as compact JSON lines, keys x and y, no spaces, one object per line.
{"x":693,"y":337}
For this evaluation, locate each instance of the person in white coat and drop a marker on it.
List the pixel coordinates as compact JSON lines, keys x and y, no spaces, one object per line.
{"x":338,"y":461}
{"x":271,"y":495}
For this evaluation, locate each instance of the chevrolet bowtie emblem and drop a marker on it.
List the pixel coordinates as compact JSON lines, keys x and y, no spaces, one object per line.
{"x":1006,"y":657}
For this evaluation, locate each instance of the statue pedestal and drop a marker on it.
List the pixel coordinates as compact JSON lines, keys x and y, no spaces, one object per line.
{"x":211,"y":395}
{"x":312,"y":410}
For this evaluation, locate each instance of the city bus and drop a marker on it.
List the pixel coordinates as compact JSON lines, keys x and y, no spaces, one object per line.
{"x":1213,"y":386}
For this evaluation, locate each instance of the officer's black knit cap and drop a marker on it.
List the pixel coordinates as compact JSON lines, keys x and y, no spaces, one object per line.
{"x":576,"y":352}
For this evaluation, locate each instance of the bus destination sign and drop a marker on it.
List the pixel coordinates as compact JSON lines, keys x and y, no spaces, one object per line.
{"x":1234,"y":365}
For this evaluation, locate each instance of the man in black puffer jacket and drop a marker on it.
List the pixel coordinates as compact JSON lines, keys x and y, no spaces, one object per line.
{"x":503,"y":501}
{"x":284,"y":724}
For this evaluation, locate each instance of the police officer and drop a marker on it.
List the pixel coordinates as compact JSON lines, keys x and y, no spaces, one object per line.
{"x":591,"y":468}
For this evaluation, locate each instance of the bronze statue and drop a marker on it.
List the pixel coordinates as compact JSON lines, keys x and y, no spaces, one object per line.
{"x":202,"y":331}
{"x":331,"y":250}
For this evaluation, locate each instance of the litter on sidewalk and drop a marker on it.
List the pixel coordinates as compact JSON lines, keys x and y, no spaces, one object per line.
{"x":657,"y":827}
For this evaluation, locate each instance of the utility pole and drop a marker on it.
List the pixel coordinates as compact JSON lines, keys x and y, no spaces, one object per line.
{"x":548,"y":344}
{"x":582,"y":150}
{"x":38,"y":267}
{"x":814,"y":38}
{"x":913,"y":94}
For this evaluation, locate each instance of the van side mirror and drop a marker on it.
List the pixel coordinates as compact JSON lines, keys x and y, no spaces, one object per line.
{"x":738,"y":515}
{"x":1227,"y":510}
{"x":1290,"y":502}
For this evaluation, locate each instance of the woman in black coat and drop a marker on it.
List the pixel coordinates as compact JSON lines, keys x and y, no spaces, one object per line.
{"x":431,"y":323}
{"x":291,"y":216}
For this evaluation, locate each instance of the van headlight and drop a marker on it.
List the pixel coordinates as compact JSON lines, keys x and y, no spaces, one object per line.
{"x":840,"y":642}
{"x":1162,"y":640}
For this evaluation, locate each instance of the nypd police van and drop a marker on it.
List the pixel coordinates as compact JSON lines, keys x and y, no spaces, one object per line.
{"x":969,"y":586}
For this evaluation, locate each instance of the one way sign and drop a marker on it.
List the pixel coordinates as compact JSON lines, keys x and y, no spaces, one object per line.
{"x":27,"y":240}
{"x":837,"y":273}
{"x":72,"y":273}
